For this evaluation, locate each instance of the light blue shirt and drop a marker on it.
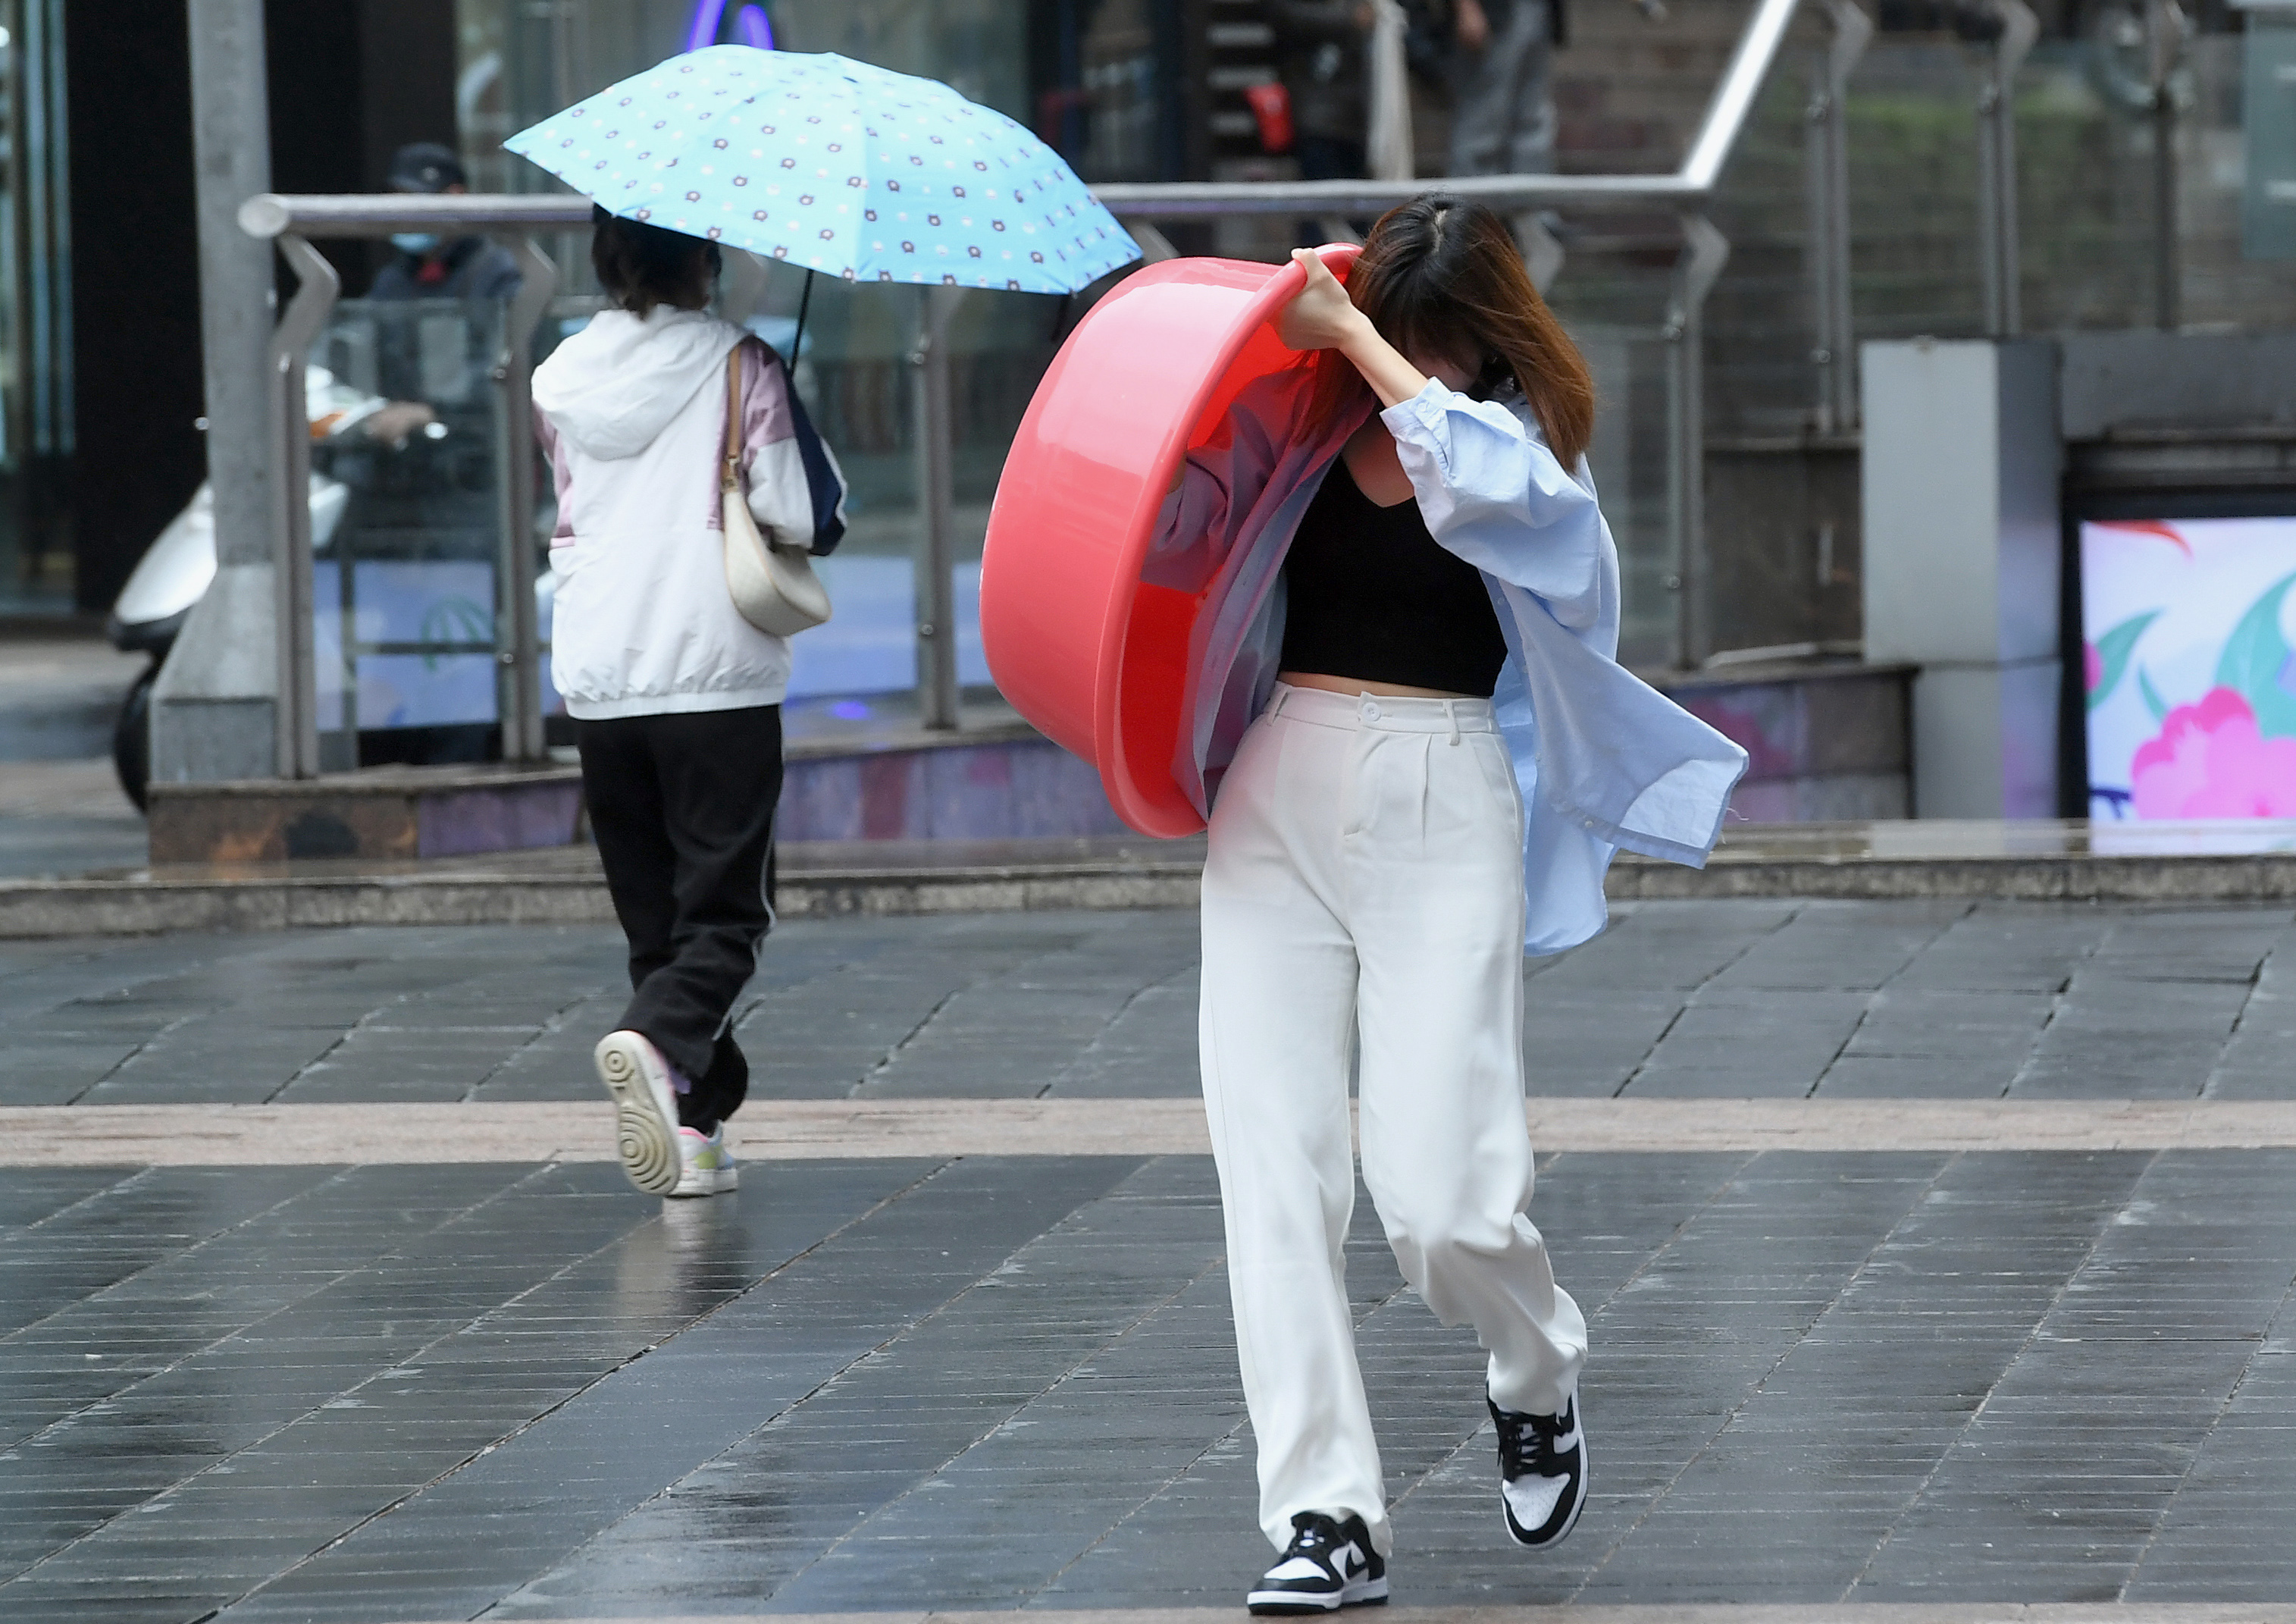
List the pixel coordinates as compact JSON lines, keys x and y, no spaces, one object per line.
{"x":1604,"y":760}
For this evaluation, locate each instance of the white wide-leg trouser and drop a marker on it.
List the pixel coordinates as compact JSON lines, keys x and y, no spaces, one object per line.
{"x":1365,"y":886}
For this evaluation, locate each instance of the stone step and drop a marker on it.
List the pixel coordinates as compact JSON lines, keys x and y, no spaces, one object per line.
{"x":1003,"y":782}
{"x":2040,"y":861}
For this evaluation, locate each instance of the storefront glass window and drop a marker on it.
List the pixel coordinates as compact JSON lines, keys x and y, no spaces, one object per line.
{"x":36,"y":403}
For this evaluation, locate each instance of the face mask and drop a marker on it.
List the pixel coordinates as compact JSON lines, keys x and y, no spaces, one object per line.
{"x":417,"y":242}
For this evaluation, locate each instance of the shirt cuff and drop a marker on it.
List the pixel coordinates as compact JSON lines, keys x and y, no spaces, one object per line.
{"x":1416,"y":420}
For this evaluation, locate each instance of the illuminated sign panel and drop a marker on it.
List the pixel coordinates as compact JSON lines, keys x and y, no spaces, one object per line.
{"x":2190,"y":676}
{"x":750,"y":26}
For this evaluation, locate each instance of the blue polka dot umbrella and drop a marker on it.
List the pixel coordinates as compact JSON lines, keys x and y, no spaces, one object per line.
{"x":834,"y":166}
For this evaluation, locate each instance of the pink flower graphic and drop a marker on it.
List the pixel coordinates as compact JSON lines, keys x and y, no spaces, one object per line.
{"x":2092,"y":667}
{"x":2210,"y":761}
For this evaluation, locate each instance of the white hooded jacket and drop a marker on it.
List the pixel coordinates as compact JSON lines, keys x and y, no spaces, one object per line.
{"x":632,"y":414}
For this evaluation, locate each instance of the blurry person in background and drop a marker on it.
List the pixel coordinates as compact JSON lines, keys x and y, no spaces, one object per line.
{"x":1503,"y":119}
{"x":1323,"y":55}
{"x":1502,"y":113}
{"x":428,"y":265}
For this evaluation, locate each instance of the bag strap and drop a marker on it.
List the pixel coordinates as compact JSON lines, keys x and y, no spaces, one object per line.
{"x":729,"y":476}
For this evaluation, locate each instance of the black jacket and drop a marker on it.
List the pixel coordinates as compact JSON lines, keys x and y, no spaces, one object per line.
{"x":1324,"y":58}
{"x":475,"y":268}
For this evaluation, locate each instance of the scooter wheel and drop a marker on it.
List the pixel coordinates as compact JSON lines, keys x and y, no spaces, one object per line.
{"x":131,"y":737}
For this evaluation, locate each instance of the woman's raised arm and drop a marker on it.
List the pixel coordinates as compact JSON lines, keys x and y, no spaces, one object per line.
{"x":1321,"y":316}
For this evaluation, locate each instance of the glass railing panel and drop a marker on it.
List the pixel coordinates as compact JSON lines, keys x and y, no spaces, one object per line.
{"x":1612,"y":297}
{"x":2229,"y":279}
{"x":2086,"y":219}
{"x":407,"y":457}
{"x":2088,"y":173}
{"x":1760,"y":377}
{"x":1913,"y":190}
{"x":1628,"y":459}
{"x":856,"y":377}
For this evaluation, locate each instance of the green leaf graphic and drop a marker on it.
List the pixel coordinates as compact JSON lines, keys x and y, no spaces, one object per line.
{"x":2153,"y":702}
{"x":2112,"y":651}
{"x":454,"y":618}
{"x":2254,"y":656}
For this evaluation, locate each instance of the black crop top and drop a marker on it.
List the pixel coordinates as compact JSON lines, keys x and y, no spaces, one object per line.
{"x":1371,"y":596}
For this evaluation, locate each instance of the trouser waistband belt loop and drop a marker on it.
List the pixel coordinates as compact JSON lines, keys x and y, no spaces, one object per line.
{"x":1380,"y":712}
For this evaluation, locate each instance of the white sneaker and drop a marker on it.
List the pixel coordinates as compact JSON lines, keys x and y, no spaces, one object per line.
{"x":1542,"y":1471}
{"x":1328,"y":1565}
{"x":645,"y":1125}
{"x":705,"y":1167}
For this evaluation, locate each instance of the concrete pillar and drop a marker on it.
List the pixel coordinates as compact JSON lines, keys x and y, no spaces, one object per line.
{"x":215,"y":709}
{"x":1963,"y":552}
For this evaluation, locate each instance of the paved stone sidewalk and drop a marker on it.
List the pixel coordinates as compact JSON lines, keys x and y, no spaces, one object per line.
{"x":893,"y":1382}
{"x":1837,"y":999}
{"x":417,"y":1392}
{"x":64,"y":817}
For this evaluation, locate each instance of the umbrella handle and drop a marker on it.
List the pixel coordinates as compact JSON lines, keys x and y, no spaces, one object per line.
{"x":804,"y":302}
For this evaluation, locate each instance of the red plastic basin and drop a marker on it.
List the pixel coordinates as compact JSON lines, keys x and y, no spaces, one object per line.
{"x":1092,"y":655}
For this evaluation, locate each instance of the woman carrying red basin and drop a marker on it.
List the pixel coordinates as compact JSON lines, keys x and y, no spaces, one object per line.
{"x":1417,"y":753}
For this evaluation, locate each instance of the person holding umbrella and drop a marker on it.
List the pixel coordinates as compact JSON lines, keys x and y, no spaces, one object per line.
{"x":676,"y":697}
{"x":657,"y":408}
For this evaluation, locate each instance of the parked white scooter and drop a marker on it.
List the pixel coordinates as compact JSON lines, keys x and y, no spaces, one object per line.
{"x":179,"y":566}
{"x":173,"y":574}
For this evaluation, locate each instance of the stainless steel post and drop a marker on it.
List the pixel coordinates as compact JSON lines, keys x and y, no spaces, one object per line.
{"x":1996,"y":169}
{"x":517,"y":636}
{"x":2164,"y":41}
{"x":935,"y":557}
{"x":297,"y":712}
{"x":2167,"y":272}
{"x":215,"y":709}
{"x":1826,"y":149}
{"x":1705,"y":250}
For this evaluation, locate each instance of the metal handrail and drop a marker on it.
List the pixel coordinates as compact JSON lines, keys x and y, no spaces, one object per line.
{"x":274,"y":214}
{"x":292,"y":220}
{"x":303,"y":214}
{"x":1691,"y":185}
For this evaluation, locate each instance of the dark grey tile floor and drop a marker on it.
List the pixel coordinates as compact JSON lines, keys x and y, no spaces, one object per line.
{"x":1915,"y":999}
{"x":60,"y":817}
{"x":361,"y":1394}
{"x":354,"y":1394}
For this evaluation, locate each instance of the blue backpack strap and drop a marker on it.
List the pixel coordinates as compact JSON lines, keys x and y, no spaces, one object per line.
{"x":823,"y":483}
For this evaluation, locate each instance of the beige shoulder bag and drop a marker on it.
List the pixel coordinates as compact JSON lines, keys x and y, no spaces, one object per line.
{"x":773,"y":584}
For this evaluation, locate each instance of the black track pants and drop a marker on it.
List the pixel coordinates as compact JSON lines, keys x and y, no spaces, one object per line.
{"x":682,"y":807}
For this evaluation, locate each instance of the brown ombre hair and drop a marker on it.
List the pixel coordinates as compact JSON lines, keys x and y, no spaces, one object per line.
{"x":1440,"y":277}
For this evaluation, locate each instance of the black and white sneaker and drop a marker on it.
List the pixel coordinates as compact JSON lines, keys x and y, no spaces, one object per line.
{"x":1542,"y":1473}
{"x":1327,"y":1566}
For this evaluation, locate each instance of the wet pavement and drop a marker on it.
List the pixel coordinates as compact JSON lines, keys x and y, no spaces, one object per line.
{"x":1933,"y":999}
{"x":63,"y":818}
{"x":888,"y":1382}
{"x":61,"y":811}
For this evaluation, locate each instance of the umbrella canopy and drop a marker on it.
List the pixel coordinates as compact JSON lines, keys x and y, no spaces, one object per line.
{"x":835,"y":166}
